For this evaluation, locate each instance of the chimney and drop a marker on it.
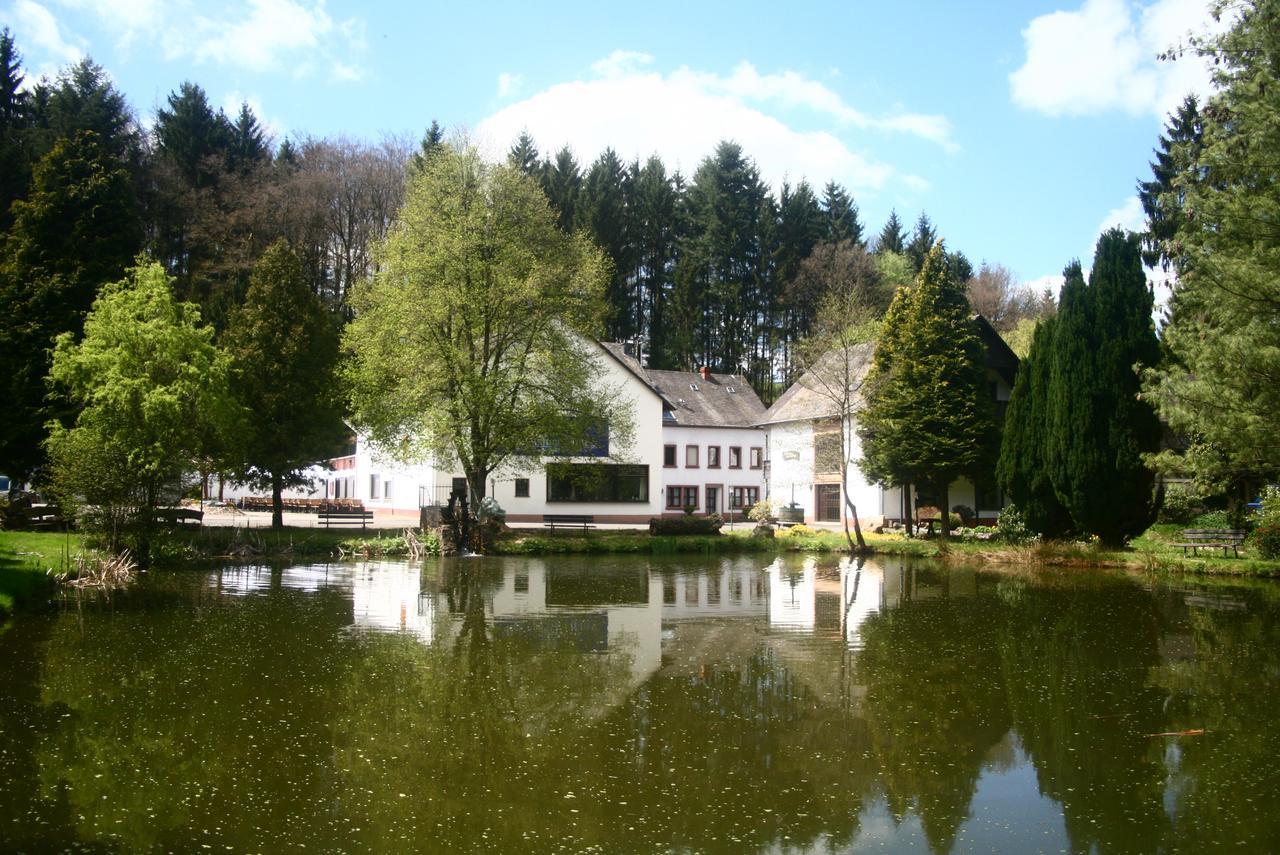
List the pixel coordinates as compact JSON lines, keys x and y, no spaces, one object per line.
{"x":705,"y":372}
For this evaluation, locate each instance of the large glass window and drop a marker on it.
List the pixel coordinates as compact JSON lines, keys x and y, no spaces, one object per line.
{"x":597,"y":482}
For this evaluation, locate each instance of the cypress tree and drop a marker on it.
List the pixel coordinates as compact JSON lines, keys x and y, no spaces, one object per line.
{"x":929,"y":416}
{"x":1099,"y":428}
{"x":1023,"y":471}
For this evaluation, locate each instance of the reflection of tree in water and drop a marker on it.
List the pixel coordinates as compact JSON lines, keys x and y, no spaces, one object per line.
{"x":1221,"y":673}
{"x":1076,"y":657}
{"x":935,"y":704}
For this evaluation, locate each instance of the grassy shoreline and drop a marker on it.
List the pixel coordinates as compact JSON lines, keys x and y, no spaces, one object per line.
{"x":25,"y":557}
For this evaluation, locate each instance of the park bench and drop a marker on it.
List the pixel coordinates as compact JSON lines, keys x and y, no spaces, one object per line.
{"x":582,"y":521}
{"x":179,"y":516}
{"x":44,"y":517}
{"x":332,"y":518}
{"x":1196,"y":539}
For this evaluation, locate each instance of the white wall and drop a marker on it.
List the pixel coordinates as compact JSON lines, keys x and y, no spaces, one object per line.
{"x":702,"y":475}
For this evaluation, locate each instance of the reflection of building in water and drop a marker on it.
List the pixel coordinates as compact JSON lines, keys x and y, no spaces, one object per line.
{"x":389,"y":597}
{"x":733,"y":589}
{"x":831,"y":601}
{"x":245,"y":580}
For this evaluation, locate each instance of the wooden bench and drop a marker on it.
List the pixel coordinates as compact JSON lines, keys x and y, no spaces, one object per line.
{"x":1196,"y":539}
{"x":582,"y":521}
{"x":179,"y":516}
{"x":330,"y":518}
{"x":45,"y":517}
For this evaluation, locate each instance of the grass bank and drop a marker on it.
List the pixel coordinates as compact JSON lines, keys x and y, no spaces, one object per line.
{"x":25,"y":558}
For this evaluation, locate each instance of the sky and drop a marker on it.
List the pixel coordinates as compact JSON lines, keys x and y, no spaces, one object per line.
{"x":1020,"y":127}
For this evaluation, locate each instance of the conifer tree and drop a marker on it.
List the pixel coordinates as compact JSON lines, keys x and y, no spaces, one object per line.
{"x":1023,"y":471}
{"x":15,"y":119}
{"x":1099,"y":428}
{"x":922,"y":240}
{"x":841,"y":214}
{"x":248,"y":146}
{"x":892,"y":237}
{"x":562,"y":182}
{"x":524,"y":155}
{"x":603,"y":211}
{"x":432,"y":140}
{"x":929,"y":417}
{"x":1180,"y":146}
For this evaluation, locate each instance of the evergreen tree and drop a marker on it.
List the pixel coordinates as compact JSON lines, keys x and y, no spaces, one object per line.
{"x":248,"y":148}
{"x":283,"y":347}
{"x":562,"y":182}
{"x":603,"y":213}
{"x":922,"y":240}
{"x":1099,"y":428}
{"x":1180,"y":145}
{"x":892,"y":237}
{"x":524,"y":155}
{"x":841,"y":215}
{"x":655,"y":233}
{"x":83,"y":99}
{"x":929,"y":417}
{"x":1023,"y":471}
{"x":194,"y":139}
{"x":432,"y":140}
{"x":15,"y":119}
{"x":959,"y":266}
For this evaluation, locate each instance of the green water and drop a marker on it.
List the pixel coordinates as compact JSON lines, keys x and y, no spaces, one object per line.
{"x":641,"y":705}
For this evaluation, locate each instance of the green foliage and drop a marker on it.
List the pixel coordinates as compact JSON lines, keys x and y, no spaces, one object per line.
{"x":1181,"y":505}
{"x":1180,"y":146}
{"x":1023,"y":470}
{"x":929,"y":416}
{"x":283,"y":347}
{"x":1099,"y":428}
{"x":1223,"y":336}
{"x":1266,"y":539}
{"x":152,"y":388}
{"x":1013,"y":527}
{"x":761,"y":511}
{"x":472,"y":342}
{"x":892,"y":238}
{"x":688,"y":524}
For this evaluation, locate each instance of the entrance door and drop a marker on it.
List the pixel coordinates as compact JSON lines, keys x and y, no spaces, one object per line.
{"x":713,"y":499}
{"x":827,"y":508}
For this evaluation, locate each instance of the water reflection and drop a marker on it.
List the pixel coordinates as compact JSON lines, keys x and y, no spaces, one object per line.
{"x":716,"y":705}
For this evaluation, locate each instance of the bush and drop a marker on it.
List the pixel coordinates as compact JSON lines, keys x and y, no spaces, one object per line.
{"x":1266,"y":539}
{"x":798,"y":530}
{"x":1181,"y":505}
{"x":967,"y":515}
{"x":709,"y":524}
{"x":761,"y":511}
{"x":1214,"y":519}
{"x":1013,"y":527}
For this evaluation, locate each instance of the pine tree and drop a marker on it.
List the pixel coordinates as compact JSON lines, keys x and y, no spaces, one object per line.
{"x":929,"y":417}
{"x":524,"y":155}
{"x":959,"y":266}
{"x":655,"y":239}
{"x":192,"y":137}
{"x":841,"y":215}
{"x":922,"y":240}
{"x":1099,"y":428}
{"x":603,"y":212}
{"x":892,"y":237}
{"x":248,"y":146}
{"x":1023,"y":471}
{"x":283,"y":347}
{"x":83,"y":99}
{"x":15,"y":120}
{"x":1180,"y":145}
{"x":562,"y":182}
{"x":432,"y":140}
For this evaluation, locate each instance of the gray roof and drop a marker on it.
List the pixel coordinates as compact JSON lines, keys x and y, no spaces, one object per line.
{"x":815,"y":394}
{"x":722,"y":400}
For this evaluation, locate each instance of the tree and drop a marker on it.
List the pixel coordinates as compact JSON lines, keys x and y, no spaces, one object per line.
{"x":283,"y":347}
{"x":82,"y":98}
{"x":562,"y":182}
{"x":432,"y":141}
{"x":15,"y":120}
{"x":836,"y":355}
{"x":602,"y":211}
{"x":995,"y":294}
{"x":1099,"y":427}
{"x":1023,"y":471}
{"x":892,"y":237}
{"x":469,"y":344}
{"x":1219,"y":383}
{"x":249,"y":147}
{"x":1180,"y":146}
{"x":841,"y":215}
{"x":76,"y":231}
{"x":149,"y":382}
{"x":929,"y":416}
{"x":922,"y":240}
{"x":524,"y":155}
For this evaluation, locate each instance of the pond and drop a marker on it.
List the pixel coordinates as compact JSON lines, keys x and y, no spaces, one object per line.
{"x":644,"y":704}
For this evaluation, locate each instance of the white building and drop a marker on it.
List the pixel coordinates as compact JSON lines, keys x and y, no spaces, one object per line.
{"x":802,"y":431}
{"x":697,"y":443}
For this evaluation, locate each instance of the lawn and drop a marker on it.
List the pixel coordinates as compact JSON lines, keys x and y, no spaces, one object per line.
{"x":24,"y":558}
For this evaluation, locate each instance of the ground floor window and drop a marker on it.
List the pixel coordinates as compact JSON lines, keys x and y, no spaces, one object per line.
{"x":597,"y":482}
{"x":827,"y":503}
{"x":522,"y":488}
{"x":743,"y":497}
{"x":679,"y":498}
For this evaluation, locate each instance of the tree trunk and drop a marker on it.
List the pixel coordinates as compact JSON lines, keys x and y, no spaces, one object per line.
{"x":851,"y":511}
{"x":907,"y":516}
{"x":277,"y":503}
{"x":945,"y":522}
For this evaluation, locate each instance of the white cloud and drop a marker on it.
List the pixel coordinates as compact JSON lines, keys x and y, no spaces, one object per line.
{"x":509,"y":84}
{"x":272,"y":30}
{"x":129,"y":20}
{"x":1052,"y":282}
{"x":684,"y":114}
{"x":234,"y":100}
{"x":1103,"y":57}
{"x":1128,"y":216}
{"x":35,"y":27}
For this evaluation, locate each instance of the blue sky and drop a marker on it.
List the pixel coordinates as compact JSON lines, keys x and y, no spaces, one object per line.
{"x":1020,"y":127}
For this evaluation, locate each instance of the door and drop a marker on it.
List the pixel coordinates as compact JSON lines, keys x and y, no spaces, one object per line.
{"x":827,"y":508}
{"x":713,"y":499}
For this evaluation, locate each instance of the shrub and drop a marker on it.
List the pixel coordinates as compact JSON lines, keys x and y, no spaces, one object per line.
{"x":798,"y":530}
{"x":1013,"y":527}
{"x":689,"y":524}
{"x":1213,"y":519}
{"x":967,"y":515}
{"x":1181,"y":505}
{"x":761,"y":511}
{"x":1266,"y":539}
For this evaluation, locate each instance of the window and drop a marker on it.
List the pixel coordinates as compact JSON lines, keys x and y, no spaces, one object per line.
{"x":373,"y":486}
{"x":743,"y":497}
{"x":735,"y":457}
{"x":597,"y":482}
{"x":713,"y":457}
{"x":679,"y":498}
{"x":757,"y":458}
{"x":386,"y":490}
{"x":691,"y":456}
{"x":669,"y":457}
{"x":522,"y":488}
